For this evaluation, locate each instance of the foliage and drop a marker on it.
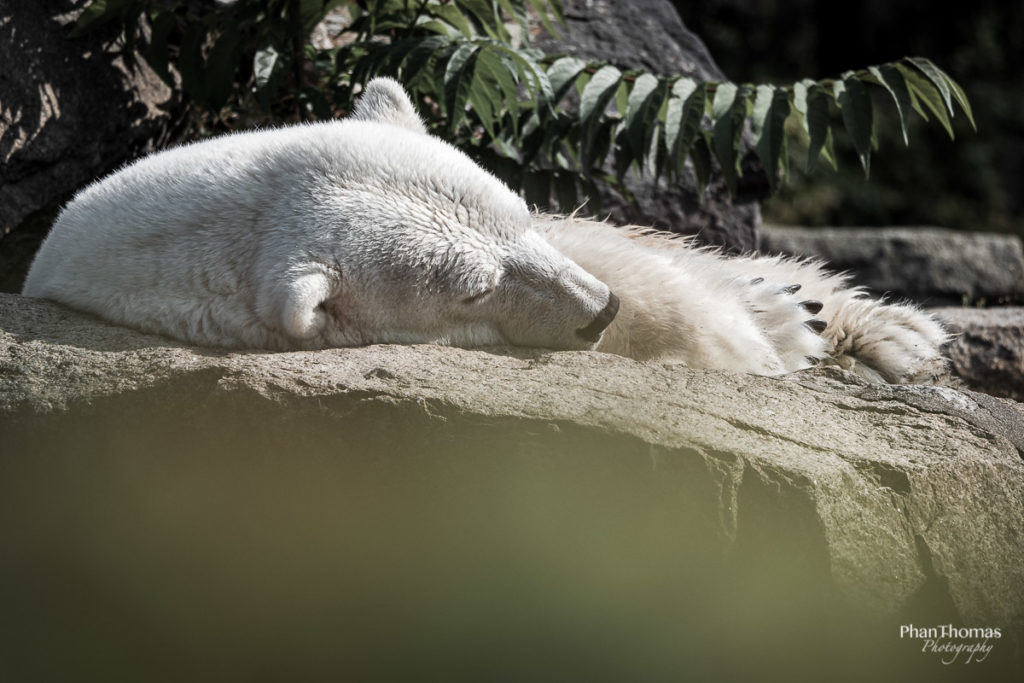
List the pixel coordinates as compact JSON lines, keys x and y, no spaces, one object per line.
{"x":479,"y":84}
{"x":970,"y":184}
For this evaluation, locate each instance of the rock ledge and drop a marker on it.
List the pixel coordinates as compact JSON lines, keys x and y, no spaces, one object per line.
{"x":805,"y":501}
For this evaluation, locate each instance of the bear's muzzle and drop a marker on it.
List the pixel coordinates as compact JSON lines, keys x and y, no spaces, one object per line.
{"x":592,"y":332}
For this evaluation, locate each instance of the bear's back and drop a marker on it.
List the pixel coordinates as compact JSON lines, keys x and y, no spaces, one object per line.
{"x":193,"y":240}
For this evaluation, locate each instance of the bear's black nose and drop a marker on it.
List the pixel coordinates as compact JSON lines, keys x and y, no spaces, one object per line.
{"x":592,"y":332}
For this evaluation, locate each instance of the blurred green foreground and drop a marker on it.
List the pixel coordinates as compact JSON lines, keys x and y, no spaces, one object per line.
{"x":386,"y":545}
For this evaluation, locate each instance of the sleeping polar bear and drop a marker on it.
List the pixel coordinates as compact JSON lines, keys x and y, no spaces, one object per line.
{"x":369,"y":230}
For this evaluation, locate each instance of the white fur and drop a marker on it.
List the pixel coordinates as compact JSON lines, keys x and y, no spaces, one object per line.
{"x":335,"y":234}
{"x":708,"y":310}
{"x":369,"y":230}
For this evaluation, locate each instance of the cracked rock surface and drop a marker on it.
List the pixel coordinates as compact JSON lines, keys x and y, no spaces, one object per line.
{"x":71,"y":110}
{"x":466,"y":509}
{"x":987,"y":349}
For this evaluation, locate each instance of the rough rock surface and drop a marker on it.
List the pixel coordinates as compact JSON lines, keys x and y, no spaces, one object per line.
{"x":650,"y":35}
{"x":987,"y":352}
{"x":933,"y":266}
{"x":460,"y":509}
{"x":70,"y":111}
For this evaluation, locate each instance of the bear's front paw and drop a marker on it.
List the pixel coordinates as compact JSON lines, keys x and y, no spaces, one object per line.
{"x":788,"y":322}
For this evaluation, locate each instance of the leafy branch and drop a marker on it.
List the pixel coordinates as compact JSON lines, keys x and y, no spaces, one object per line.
{"x":479,"y":84}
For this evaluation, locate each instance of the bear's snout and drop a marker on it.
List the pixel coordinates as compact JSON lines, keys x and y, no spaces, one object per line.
{"x":592,"y":332}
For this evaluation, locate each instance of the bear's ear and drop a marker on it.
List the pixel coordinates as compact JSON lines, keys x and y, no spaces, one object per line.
{"x":385,"y":101}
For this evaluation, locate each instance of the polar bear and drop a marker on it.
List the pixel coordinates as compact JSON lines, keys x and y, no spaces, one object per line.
{"x":370,"y":230}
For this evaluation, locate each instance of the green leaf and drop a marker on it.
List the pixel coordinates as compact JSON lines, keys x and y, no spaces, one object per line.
{"x":922,"y":91}
{"x":621,"y":98}
{"x":683,"y":118}
{"x":762,"y":103}
{"x":437,"y":27}
{"x":508,"y":150}
{"x":484,"y":102}
{"x":730,"y":109}
{"x":636,"y":122}
{"x":562,"y":74}
{"x":581,"y":82}
{"x":529,"y":72}
{"x":890,"y":78}
{"x":458,"y":76}
{"x":598,"y":144}
{"x":92,"y":14}
{"x":800,"y":95}
{"x":399,"y":52}
{"x":264,"y":64}
{"x":684,"y":87}
{"x":828,"y":152}
{"x":651,"y":154}
{"x":816,"y":120}
{"x":491,"y":67}
{"x":541,"y":84}
{"x":596,"y":95}
{"x":479,"y":12}
{"x":269,"y":68}
{"x":539,"y":6}
{"x":858,"y":117}
{"x":370,"y":64}
{"x":771,"y":109}
{"x":693,"y":116}
{"x":700,"y":155}
{"x":938,"y":79}
{"x":414,"y":64}
{"x":681,"y":89}
{"x":98,"y":13}
{"x":623,"y":156}
{"x":725,"y":95}
{"x":961,"y":97}
{"x":556,"y":6}
{"x":452,"y":15}
{"x":516,"y":9}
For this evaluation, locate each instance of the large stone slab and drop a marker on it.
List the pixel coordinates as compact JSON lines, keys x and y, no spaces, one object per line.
{"x":987,"y":348}
{"x":429,"y":512}
{"x":933,"y":266}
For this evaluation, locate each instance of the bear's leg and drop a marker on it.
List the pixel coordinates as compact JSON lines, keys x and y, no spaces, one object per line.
{"x":302,"y":317}
{"x":879,"y":341}
{"x":789,"y":320}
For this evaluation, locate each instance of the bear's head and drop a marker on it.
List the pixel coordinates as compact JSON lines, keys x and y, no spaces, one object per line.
{"x":439,"y":250}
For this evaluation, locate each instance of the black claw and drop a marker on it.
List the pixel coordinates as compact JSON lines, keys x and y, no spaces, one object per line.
{"x":792,"y":289}
{"x":817,"y":325}
{"x":812,"y":306}
{"x":812,"y":360}
{"x":757,"y":281}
